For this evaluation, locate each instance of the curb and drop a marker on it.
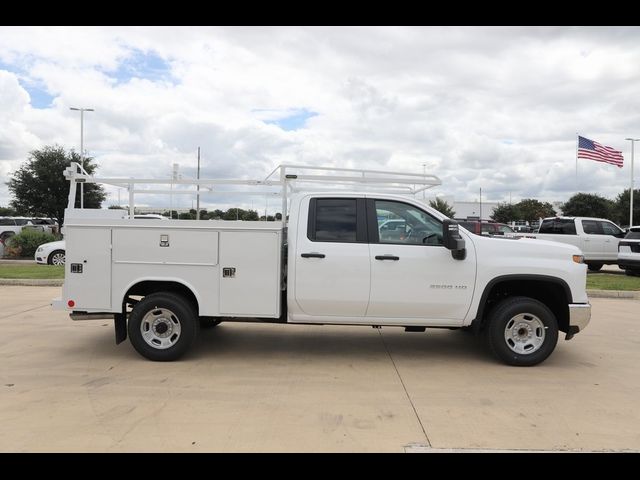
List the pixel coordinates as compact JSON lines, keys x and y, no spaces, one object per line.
{"x":32,"y":282}
{"x":634,"y":295}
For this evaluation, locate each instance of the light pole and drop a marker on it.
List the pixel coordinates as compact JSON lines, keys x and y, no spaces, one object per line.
{"x":632,"y":140}
{"x":82,"y":110}
{"x":424,"y":176}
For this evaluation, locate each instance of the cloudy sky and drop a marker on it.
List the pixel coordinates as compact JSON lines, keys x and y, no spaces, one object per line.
{"x":491,"y":108}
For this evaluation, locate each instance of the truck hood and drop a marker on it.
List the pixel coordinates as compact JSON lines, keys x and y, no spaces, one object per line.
{"x":525,"y":247}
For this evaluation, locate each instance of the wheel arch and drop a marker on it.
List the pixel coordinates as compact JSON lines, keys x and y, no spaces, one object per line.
{"x":147,"y":286}
{"x":554,"y":292}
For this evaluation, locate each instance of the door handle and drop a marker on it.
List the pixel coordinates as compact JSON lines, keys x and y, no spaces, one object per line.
{"x":312,"y":255}
{"x":387,"y":257}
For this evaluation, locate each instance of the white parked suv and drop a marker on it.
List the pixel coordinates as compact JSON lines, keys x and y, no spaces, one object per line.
{"x":629,"y":252}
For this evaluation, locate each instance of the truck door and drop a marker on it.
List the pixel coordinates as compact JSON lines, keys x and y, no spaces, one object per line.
{"x":87,"y":269}
{"x":416,"y":277}
{"x":594,"y":240}
{"x":332,"y":258}
{"x":612,"y":235}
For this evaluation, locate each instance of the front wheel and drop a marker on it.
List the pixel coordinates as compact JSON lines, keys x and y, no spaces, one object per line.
{"x":162,"y":326}
{"x":522,"y":331}
{"x":57,"y":257}
{"x":595,"y":267}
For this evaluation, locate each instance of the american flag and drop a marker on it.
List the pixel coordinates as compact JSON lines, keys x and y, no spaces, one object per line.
{"x":600,"y":153}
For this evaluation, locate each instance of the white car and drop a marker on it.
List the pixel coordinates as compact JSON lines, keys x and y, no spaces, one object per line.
{"x":52,"y":253}
{"x":629,"y":252}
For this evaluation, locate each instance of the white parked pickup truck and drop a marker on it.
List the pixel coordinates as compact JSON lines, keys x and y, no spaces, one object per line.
{"x":598,"y":238}
{"x":328,"y":265}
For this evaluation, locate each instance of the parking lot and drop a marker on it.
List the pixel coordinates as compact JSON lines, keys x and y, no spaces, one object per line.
{"x":66,"y":386}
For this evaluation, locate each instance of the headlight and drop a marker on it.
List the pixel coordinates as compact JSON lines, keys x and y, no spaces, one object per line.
{"x":578,"y":258}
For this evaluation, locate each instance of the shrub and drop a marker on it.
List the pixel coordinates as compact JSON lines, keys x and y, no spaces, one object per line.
{"x":26,"y":242}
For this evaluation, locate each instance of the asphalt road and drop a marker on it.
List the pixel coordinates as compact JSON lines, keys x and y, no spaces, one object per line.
{"x":66,"y":387}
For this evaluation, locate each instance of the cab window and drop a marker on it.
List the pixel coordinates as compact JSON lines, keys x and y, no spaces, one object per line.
{"x":413,"y":226}
{"x":336,"y":220}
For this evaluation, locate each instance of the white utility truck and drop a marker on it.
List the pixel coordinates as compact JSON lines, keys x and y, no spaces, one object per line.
{"x":328,"y":264}
{"x":598,"y":238}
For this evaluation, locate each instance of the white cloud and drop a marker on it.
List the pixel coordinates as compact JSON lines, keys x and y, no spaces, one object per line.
{"x":490,"y":108}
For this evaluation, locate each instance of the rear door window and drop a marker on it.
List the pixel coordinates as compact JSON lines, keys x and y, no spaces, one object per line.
{"x":592,"y":227}
{"x":558,"y":226}
{"x":336,"y":220}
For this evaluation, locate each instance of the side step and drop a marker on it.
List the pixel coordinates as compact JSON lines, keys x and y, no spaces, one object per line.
{"x":91,"y":316}
{"x":415,"y":329}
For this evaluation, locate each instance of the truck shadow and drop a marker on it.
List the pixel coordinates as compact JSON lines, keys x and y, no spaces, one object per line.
{"x":253,"y":341}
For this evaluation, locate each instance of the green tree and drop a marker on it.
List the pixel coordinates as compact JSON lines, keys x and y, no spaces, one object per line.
{"x":531,"y":209}
{"x":217,"y":214}
{"x":443,"y":207}
{"x":7,"y":212}
{"x":588,"y":205}
{"x":506,"y":212}
{"x":250,"y":215}
{"x":233,"y":214}
{"x":621,"y":207}
{"x":40,"y":189}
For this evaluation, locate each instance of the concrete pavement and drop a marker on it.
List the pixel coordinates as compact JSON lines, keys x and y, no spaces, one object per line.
{"x":65,"y":386}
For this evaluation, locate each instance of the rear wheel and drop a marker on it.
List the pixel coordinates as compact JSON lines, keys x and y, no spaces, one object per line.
{"x":56,"y":257}
{"x":594,"y":267}
{"x":522,"y":331}
{"x":632,"y":272}
{"x":162,"y":326}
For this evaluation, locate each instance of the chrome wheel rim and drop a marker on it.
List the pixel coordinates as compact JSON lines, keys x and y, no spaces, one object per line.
{"x":525,"y":333}
{"x":160,"y":328}
{"x":58,"y":259}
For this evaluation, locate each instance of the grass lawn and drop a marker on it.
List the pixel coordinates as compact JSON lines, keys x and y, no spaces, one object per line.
{"x":608,"y":281}
{"x":31,"y":271}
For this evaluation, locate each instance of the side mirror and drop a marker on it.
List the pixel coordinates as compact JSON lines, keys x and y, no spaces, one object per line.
{"x":452,"y":240}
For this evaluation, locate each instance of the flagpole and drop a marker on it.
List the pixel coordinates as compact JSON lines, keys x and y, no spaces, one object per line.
{"x":577,"y":140}
{"x":632,"y":140}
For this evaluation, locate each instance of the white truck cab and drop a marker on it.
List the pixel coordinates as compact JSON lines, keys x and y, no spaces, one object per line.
{"x":329,"y":264}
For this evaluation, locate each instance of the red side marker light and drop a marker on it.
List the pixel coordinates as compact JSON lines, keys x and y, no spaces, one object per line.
{"x":71,"y":303}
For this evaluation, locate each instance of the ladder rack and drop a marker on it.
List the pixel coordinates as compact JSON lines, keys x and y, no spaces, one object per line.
{"x":282,"y":181}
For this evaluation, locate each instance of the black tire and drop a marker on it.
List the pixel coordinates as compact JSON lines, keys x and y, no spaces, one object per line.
{"x":535,"y":323}
{"x":55,"y":257}
{"x":209,"y":322}
{"x":632,"y":272}
{"x":594,"y":267}
{"x":173,"y":314}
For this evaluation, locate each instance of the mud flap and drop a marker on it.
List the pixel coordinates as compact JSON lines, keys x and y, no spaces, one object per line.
{"x":120,"y":324}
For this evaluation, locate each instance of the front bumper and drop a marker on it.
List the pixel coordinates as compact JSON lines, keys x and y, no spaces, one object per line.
{"x":579,"y":317}
{"x":629,"y":263}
